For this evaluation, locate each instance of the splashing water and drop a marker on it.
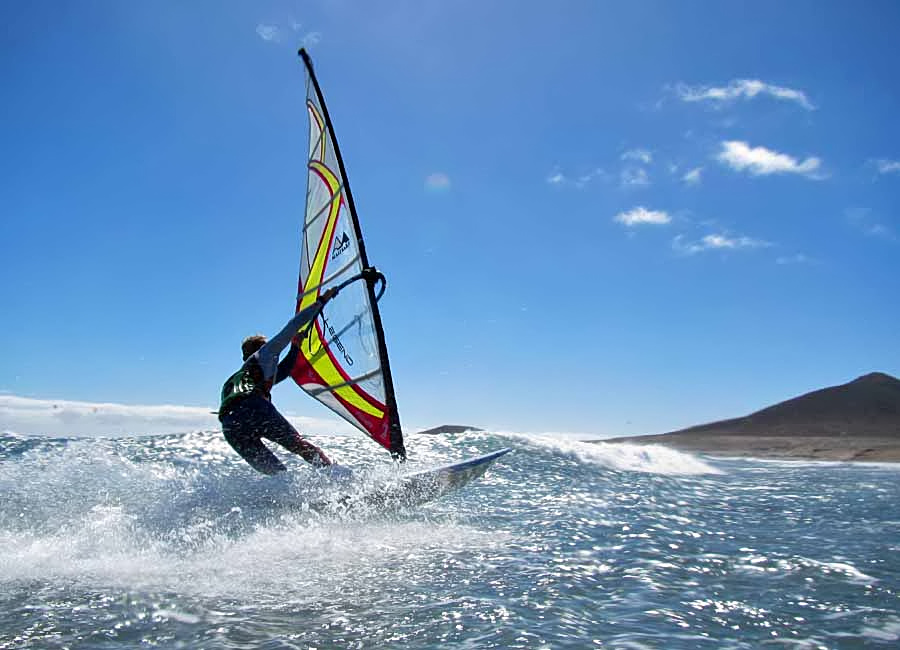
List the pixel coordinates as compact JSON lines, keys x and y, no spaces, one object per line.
{"x":173,"y":541}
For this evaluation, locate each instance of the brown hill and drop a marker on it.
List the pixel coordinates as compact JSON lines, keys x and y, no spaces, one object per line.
{"x":868,"y":405}
{"x":859,"y":420}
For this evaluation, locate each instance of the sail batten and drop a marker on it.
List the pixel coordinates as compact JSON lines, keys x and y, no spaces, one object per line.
{"x":324,"y":209}
{"x":330,"y":279}
{"x":343,"y":359}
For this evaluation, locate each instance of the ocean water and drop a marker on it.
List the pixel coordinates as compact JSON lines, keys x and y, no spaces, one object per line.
{"x":172,"y":542}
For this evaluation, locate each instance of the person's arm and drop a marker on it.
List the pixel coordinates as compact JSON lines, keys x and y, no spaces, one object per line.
{"x":287,"y":364}
{"x":278,"y":342}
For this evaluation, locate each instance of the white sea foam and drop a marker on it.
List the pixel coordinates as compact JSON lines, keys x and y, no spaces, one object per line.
{"x":653,"y":459}
{"x":848,"y":571}
{"x":301,"y":554}
{"x":186,"y":514}
{"x":887,"y":632}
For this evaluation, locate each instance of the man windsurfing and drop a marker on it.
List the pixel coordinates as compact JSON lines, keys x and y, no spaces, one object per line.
{"x":246,"y":410}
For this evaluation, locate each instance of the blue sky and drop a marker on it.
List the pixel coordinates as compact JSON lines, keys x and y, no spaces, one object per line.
{"x":609,"y":218}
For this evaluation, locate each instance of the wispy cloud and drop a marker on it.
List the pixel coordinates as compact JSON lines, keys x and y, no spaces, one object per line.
{"x":798,"y":258}
{"x":885,"y":166}
{"x":693,"y":177}
{"x":741,"y":89}
{"x":715,"y":242}
{"x":437,"y":182}
{"x":29,"y":416}
{"x":557,"y":178}
{"x":311,"y":39}
{"x":590,"y":177}
{"x":760,"y":161}
{"x":864,"y":219}
{"x":269,"y":33}
{"x":272,"y":33}
{"x":638,"y":155}
{"x":641,"y":215}
{"x":633,"y":177}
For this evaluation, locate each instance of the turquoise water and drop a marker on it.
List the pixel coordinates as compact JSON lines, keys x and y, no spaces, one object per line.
{"x":173,"y":542}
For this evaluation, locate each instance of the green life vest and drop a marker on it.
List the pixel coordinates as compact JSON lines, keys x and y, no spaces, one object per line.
{"x":246,"y":381}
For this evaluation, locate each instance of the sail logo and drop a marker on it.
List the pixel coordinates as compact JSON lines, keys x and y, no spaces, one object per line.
{"x":335,"y":341}
{"x":341,"y":244}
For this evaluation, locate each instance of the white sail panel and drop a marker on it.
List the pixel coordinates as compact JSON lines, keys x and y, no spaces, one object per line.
{"x":342,"y":360}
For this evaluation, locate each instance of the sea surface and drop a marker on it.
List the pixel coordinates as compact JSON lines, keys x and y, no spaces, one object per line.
{"x":173,"y":542}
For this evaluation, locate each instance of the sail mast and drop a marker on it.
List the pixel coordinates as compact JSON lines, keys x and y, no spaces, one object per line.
{"x":397,"y":448}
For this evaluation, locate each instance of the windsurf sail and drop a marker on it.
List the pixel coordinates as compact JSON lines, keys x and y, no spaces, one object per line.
{"x":343,"y":361}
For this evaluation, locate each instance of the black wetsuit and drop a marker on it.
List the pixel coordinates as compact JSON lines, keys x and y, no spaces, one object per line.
{"x":246,"y":412}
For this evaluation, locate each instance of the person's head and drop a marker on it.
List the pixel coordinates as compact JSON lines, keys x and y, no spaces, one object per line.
{"x":251,"y":344}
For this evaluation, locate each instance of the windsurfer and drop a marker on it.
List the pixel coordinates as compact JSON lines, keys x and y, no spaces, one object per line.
{"x":246,"y":410}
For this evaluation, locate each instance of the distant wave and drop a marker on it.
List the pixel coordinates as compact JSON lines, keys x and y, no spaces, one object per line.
{"x":654,"y":459}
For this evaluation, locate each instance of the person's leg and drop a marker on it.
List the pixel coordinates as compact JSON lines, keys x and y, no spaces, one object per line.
{"x":243,"y":428}
{"x":279,"y":430}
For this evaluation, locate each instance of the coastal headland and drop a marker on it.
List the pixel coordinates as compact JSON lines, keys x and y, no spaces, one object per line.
{"x":856,"y":421}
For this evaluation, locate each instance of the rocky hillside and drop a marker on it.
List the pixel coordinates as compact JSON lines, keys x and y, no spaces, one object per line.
{"x":857,"y":421}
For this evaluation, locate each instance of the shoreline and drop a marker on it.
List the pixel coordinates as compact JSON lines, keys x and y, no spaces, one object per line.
{"x":870,"y":449}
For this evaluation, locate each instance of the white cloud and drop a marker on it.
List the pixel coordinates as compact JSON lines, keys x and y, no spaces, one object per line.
{"x":798,"y":258}
{"x":741,"y":89}
{"x":641,"y":215}
{"x":556,"y":178}
{"x":635,"y":177}
{"x":879,"y":230}
{"x":715,"y":242}
{"x":864,"y":219}
{"x":559,"y":179}
{"x":887,"y":166}
{"x":437,"y":182}
{"x":693,"y":176}
{"x":269,"y":33}
{"x":638,"y":155}
{"x":760,"y":161}
{"x":591,"y":176}
{"x":311,"y":39}
{"x":275,"y":34}
{"x":62,"y":418}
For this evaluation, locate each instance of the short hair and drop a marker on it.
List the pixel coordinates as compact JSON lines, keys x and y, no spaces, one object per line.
{"x":251,"y":344}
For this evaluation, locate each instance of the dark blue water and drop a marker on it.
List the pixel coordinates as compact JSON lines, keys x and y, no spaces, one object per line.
{"x":173,"y":542}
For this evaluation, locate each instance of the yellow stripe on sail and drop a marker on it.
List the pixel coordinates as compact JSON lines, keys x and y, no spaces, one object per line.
{"x":322,"y":363}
